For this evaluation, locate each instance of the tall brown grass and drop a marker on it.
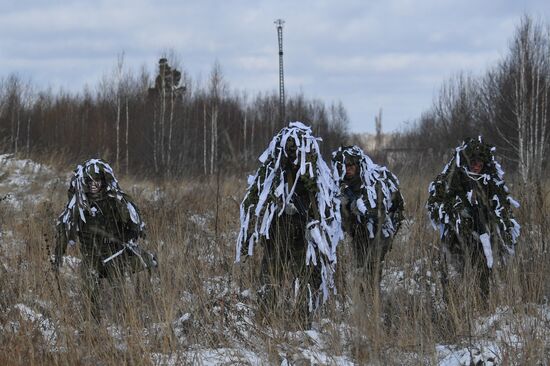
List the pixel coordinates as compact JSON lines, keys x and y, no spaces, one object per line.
{"x":192,"y":227}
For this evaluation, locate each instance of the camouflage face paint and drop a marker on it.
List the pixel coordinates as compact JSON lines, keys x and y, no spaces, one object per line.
{"x":476,"y":166}
{"x":94,"y":186}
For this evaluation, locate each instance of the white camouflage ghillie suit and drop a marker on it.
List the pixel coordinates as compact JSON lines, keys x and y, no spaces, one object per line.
{"x":372,"y":208}
{"x":470,"y":206}
{"x":291,"y":208}
{"x":106,"y":223}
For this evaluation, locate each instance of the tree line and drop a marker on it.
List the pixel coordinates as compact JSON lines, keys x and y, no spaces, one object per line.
{"x":508,"y":104}
{"x":166,"y":125}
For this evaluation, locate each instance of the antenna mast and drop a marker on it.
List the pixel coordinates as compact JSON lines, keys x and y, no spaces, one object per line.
{"x":279,"y":23}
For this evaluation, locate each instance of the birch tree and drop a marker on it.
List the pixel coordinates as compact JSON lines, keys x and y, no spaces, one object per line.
{"x":516,"y":98}
{"x":119,"y":77}
{"x":530,"y":55}
{"x":126,"y":140}
{"x":217,"y":90}
{"x":204,"y":143}
{"x":13,"y":107}
{"x":28,"y":103}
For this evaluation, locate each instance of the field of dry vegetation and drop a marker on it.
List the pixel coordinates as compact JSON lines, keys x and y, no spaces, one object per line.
{"x":200,"y":307}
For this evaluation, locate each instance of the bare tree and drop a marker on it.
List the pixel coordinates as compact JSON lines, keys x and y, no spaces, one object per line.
{"x":530,"y":55}
{"x":126,"y":140}
{"x":28,"y":102}
{"x":516,"y":99}
{"x":175,"y":92}
{"x":378,"y":126}
{"x":204,"y":143}
{"x":125,"y":116}
{"x":217,"y":89}
{"x":119,"y":79}
{"x":13,"y":86}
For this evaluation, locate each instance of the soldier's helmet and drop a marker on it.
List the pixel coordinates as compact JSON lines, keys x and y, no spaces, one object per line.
{"x":94,"y":170}
{"x":347,"y":155}
{"x":295,"y":142}
{"x":475,"y":149}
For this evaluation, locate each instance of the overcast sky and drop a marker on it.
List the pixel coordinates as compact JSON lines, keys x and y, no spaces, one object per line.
{"x":389,"y":54}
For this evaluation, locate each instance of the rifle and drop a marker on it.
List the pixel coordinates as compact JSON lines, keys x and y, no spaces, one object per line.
{"x":132,"y":247}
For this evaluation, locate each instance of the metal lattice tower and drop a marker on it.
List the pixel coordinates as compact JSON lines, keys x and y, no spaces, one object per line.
{"x":279,"y":23}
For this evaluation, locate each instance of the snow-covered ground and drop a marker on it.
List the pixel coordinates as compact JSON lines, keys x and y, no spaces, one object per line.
{"x":497,"y":338}
{"x":493,"y":339}
{"x":23,"y":181}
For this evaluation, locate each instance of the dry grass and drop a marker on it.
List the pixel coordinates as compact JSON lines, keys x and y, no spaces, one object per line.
{"x":198,"y":300}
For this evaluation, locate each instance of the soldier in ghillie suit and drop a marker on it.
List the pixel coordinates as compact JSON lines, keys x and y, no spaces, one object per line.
{"x":372,"y":208}
{"x":470,"y":205}
{"x":290,"y":207}
{"x":106,"y":223}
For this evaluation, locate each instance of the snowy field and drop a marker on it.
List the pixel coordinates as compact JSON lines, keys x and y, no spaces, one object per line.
{"x":200,"y":308}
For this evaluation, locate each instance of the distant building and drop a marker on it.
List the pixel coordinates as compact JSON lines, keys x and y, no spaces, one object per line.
{"x":382,"y":150}
{"x":369,"y":142}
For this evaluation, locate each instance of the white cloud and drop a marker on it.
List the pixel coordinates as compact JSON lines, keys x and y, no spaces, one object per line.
{"x":400,"y":62}
{"x":369,"y":54}
{"x":259,"y":63}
